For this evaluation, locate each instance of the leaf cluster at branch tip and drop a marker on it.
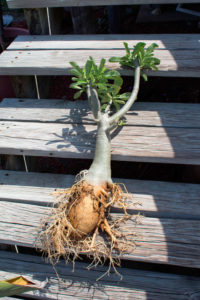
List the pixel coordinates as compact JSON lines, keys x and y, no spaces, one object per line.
{"x":108,"y":83}
{"x":145,"y":57}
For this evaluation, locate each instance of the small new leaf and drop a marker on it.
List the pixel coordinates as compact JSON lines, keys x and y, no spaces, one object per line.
{"x":121,"y":123}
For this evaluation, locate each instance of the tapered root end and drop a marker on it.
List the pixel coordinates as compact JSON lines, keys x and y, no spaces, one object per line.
{"x":80,"y":223}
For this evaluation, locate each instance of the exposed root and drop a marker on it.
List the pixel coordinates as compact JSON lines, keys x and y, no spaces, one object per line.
{"x":81,"y":223}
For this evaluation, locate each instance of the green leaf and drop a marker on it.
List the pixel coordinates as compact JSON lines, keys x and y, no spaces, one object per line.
{"x":127,"y":48}
{"x":117,"y":106}
{"x":120,"y":101}
{"x":118,"y":81}
{"x":81,"y":82}
{"x":115,"y":59}
{"x":75,"y":86}
{"x":76,"y":67}
{"x":102,"y":65}
{"x":144,"y":76}
{"x":152,"y":47}
{"x":15,"y":286}
{"x":144,"y":56}
{"x":121,"y":123}
{"x":76,"y":73}
{"x":112,"y":73}
{"x":139,"y":47}
{"x":88,"y":67}
{"x":77,"y":94}
{"x":102,"y":86}
{"x":124,"y":96}
{"x":74,"y":78}
{"x":156,"y":61}
{"x":94,"y":66}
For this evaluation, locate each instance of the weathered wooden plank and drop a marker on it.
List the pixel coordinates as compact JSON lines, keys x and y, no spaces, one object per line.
{"x":142,"y":284}
{"x":130,"y":143}
{"x":56,"y":62}
{"x":160,"y":199}
{"x":167,"y":241}
{"x":54,"y":3}
{"x":105,"y":41}
{"x":62,"y":111}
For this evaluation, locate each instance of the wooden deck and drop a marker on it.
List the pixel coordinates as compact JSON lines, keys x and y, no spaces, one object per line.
{"x":50,"y":55}
{"x":136,"y":283}
{"x":168,"y":234}
{"x":55,"y":3}
{"x":169,"y":229}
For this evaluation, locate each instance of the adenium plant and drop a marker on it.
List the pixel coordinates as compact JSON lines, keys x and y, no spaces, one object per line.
{"x":82,"y":211}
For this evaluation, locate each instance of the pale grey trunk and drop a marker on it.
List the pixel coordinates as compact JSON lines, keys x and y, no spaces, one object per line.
{"x":100,"y":170}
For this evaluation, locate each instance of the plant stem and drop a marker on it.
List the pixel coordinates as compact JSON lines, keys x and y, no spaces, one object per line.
{"x":100,"y":171}
{"x":118,"y":115}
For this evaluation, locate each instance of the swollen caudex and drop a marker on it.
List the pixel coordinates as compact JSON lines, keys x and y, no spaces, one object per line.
{"x":80,"y":213}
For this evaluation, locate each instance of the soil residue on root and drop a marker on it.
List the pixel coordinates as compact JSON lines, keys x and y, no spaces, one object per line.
{"x":80,"y":223}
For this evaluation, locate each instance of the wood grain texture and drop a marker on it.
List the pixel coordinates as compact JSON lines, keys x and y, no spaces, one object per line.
{"x":42,"y":60}
{"x":56,"y":62}
{"x":104,"y":41}
{"x":68,"y":112}
{"x":130,"y":143}
{"x":54,"y":3}
{"x":155,"y":132}
{"x":158,"y":199}
{"x":167,"y":241}
{"x":142,"y":284}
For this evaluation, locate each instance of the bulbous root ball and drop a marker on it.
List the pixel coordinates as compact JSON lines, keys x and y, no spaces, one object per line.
{"x":80,"y":223}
